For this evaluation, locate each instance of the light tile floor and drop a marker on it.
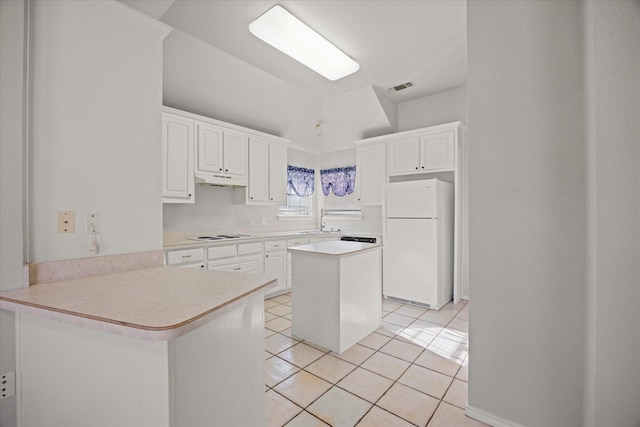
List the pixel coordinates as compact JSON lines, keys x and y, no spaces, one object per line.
{"x":412,"y":371}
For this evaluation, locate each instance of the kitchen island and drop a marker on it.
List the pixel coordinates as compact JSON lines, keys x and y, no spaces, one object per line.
{"x":155,"y":347}
{"x":336,"y":292}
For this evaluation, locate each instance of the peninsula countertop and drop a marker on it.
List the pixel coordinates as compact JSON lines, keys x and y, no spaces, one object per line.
{"x":154,"y":304}
{"x":337,"y":247}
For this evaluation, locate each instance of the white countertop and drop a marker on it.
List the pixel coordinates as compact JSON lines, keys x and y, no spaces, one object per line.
{"x":337,"y":248}
{"x":153,"y":304}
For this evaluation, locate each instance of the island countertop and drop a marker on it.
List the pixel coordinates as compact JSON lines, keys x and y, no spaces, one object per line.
{"x":337,"y":247}
{"x":154,"y":304}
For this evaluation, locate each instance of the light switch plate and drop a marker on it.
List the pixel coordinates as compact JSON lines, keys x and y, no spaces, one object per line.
{"x":66,"y":222}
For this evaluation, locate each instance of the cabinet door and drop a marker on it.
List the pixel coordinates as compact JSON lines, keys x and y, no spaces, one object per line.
{"x":210,"y":148}
{"x":259,"y":170}
{"x":437,"y":151}
{"x":404,"y":155}
{"x":275,"y":265}
{"x":277,"y":173}
{"x":235,"y":154}
{"x":177,"y":159}
{"x":370,"y":173}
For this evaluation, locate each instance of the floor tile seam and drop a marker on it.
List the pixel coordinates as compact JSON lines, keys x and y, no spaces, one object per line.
{"x":448,"y":339}
{"x":288,"y":376}
{"x":403,"y":372}
{"x":447,"y":391}
{"x":393,"y":413}
{"x":330,"y":382}
{"x":304,"y":410}
{"x":288,"y":400}
{"x":434,"y":412}
{"x":425,"y":393}
{"x":400,"y":358}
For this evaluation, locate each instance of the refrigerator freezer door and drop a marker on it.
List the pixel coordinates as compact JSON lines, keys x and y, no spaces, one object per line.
{"x":410,"y":260}
{"x":412,"y":199}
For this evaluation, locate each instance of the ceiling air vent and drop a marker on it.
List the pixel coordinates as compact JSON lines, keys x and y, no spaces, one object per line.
{"x":400,"y":87}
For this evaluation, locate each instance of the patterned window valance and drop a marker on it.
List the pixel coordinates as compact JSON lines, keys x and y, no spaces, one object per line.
{"x":341,"y":181}
{"x":300,"y":181}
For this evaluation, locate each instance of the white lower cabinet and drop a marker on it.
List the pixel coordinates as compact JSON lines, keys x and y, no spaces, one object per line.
{"x":293,"y":242}
{"x":240,"y":258}
{"x":186,"y":258}
{"x":275,"y":264}
{"x":268,"y":257}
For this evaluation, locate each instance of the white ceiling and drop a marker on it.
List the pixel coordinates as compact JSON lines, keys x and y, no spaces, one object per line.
{"x":394,"y":42}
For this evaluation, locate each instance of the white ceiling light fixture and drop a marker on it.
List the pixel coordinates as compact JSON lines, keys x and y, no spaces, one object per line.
{"x":288,"y":34}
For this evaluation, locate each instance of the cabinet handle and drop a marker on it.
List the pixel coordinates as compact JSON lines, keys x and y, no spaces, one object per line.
{"x":220,"y":169}
{"x":416,"y":168}
{"x":423,"y":167}
{"x":189,"y":195}
{"x":251,"y":197}
{"x":226,"y":170}
{"x":202,"y":266}
{"x":271,"y":198}
{"x":266,"y":256}
{"x":237,"y":268}
{"x":276,"y":246}
{"x":186,"y":256}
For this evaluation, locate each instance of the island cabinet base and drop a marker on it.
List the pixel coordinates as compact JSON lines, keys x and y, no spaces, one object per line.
{"x":76,"y":376}
{"x":336,"y":299}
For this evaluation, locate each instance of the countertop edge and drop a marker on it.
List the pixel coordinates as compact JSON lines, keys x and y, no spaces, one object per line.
{"x":147,"y":333}
{"x":317,"y":248}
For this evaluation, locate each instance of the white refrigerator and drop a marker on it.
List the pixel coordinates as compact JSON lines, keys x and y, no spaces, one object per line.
{"x":418,"y":242}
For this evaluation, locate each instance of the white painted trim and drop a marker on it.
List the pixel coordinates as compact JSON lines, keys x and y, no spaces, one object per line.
{"x":488,"y":418}
{"x":137,"y":16}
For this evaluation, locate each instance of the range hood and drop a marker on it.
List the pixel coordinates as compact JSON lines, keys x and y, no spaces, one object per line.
{"x":220,"y":179}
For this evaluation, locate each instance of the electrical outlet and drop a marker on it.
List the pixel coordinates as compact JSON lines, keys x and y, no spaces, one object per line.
{"x":93,"y":249}
{"x":66,"y":222}
{"x":92,"y":223}
{"x":7,"y":384}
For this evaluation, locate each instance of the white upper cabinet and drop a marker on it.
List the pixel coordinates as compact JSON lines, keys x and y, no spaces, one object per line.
{"x":417,"y":153}
{"x":370,"y":173}
{"x":177,"y":159}
{"x":437,"y":150}
{"x":267,"y":172}
{"x":277,"y":173}
{"x":222,"y":155}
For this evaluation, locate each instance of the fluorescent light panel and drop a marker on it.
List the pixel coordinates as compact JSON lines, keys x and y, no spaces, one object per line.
{"x":289,"y":35}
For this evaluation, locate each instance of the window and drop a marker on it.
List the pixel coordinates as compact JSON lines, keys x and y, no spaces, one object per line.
{"x":300,"y":187}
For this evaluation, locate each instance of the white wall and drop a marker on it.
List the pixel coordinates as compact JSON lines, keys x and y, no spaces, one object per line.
{"x":95,"y":129}
{"x":12,"y":53}
{"x":612,"y":371}
{"x":527,"y":209}
{"x":444,"y":107}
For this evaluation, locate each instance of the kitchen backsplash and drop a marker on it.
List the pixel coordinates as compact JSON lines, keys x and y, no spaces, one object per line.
{"x":215,"y":209}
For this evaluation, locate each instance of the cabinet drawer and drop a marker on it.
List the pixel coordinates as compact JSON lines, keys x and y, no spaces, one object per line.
{"x":249,"y":248}
{"x":215,"y":252}
{"x":185,"y":256}
{"x":246,"y":266}
{"x":276,"y":245}
{"x":297,"y":242}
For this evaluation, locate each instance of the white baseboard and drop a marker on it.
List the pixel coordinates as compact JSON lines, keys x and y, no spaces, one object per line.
{"x":487,"y":418}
